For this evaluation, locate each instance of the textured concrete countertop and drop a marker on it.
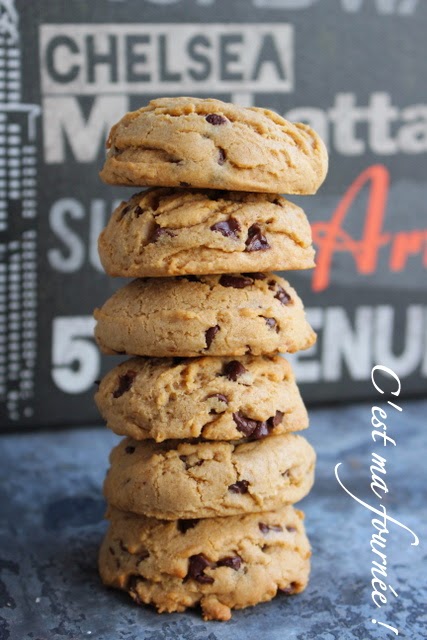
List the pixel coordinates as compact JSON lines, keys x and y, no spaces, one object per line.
{"x":52,"y":524}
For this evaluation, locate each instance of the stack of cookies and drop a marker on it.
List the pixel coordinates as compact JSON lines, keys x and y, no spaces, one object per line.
{"x":200,"y":490}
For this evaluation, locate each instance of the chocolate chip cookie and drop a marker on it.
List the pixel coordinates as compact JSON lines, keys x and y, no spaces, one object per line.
{"x":166,"y":232}
{"x":193,"y":142}
{"x":227,"y":315}
{"x":210,"y":397}
{"x":177,"y":479}
{"x":219,"y":563}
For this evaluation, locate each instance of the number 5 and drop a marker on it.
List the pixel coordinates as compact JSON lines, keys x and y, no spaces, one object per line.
{"x":75,"y":358}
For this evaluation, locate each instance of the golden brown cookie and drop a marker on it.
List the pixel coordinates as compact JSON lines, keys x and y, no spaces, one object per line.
{"x":210,"y":397}
{"x":204,"y":315}
{"x":194,"y":142}
{"x":219,"y":563}
{"x":178,"y":479}
{"x":166,"y":232}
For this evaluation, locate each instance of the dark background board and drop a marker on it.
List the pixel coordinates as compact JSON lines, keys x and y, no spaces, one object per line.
{"x":354,"y":69}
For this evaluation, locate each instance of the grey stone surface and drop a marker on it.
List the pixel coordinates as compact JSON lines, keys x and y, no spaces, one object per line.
{"x":52,"y":524}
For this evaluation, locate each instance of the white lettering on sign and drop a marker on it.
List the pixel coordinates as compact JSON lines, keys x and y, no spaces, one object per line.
{"x":348,"y":343}
{"x":110,"y":63}
{"x":76,"y":360}
{"x":76,"y":228}
{"x":91,"y":59}
{"x":65,"y":124}
{"x":390,"y":129}
{"x":387,"y":130}
{"x":353,"y":342}
{"x":384,"y":7}
{"x":69,"y":258}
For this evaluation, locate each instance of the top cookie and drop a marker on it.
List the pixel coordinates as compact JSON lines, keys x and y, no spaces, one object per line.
{"x":191,"y":142}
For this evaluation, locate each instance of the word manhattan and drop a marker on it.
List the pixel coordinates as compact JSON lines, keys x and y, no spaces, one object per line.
{"x":382,"y":519}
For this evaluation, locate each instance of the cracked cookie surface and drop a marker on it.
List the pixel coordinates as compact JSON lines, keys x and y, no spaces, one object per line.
{"x":164,"y":232}
{"x":204,"y":315}
{"x":193,"y":142}
{"x":177,"y":479}
{"x":211,"y":397}
{"x":220,"y":563}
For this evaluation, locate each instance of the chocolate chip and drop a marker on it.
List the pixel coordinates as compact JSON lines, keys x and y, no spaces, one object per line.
{"x":130,"y":449}
{"x":196,"y":567}
{"x":132,"y":585}
{"x":272,"y":284}
{"x":261,"y":431}
{"x":210,"y":335}
{"x":244,"y":424}
{"x":241,"y":486}
{"x":291,"y":529}
{"x":125,"y":383}
{"x":237,"y":282}
{"x":228,"y":228}
{"x":185,"y":525}
{"x":271,"y":322}
{"x":234,"y":562}
{"x":216,"y":119}
{"x":278,"y":202}
{"x":233,"y":370}
{"x":159,"y":232}
{"x":154,"y":201}
{"x":177,"y":361}
{"x":256,"y":241}
{"x":282,"y":296}
{"x":111,"y":550}
{"x":265,"y":528}
{"x":219,"y":397}
{"x":138,"y":211}
{"x":255,"y":276}
{"x":125,"y":211}
{"x":143,"y":555}
{"x":221,"y":156}
{"x":254,"y":429}
{"x":275,"y":420}
{"x":184,"y":184}
{"x":191,"y":278}
{"x":123,"y":547}
{"x":289,"y":590}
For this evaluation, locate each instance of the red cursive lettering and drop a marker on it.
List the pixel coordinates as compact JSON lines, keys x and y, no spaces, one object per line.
{"x":330,"y":237}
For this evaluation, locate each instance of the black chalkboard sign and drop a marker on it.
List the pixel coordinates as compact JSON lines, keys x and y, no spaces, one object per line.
{"x":354,"y":69}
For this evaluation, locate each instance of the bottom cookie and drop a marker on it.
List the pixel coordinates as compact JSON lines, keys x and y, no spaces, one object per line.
{"x":217,"y":563}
